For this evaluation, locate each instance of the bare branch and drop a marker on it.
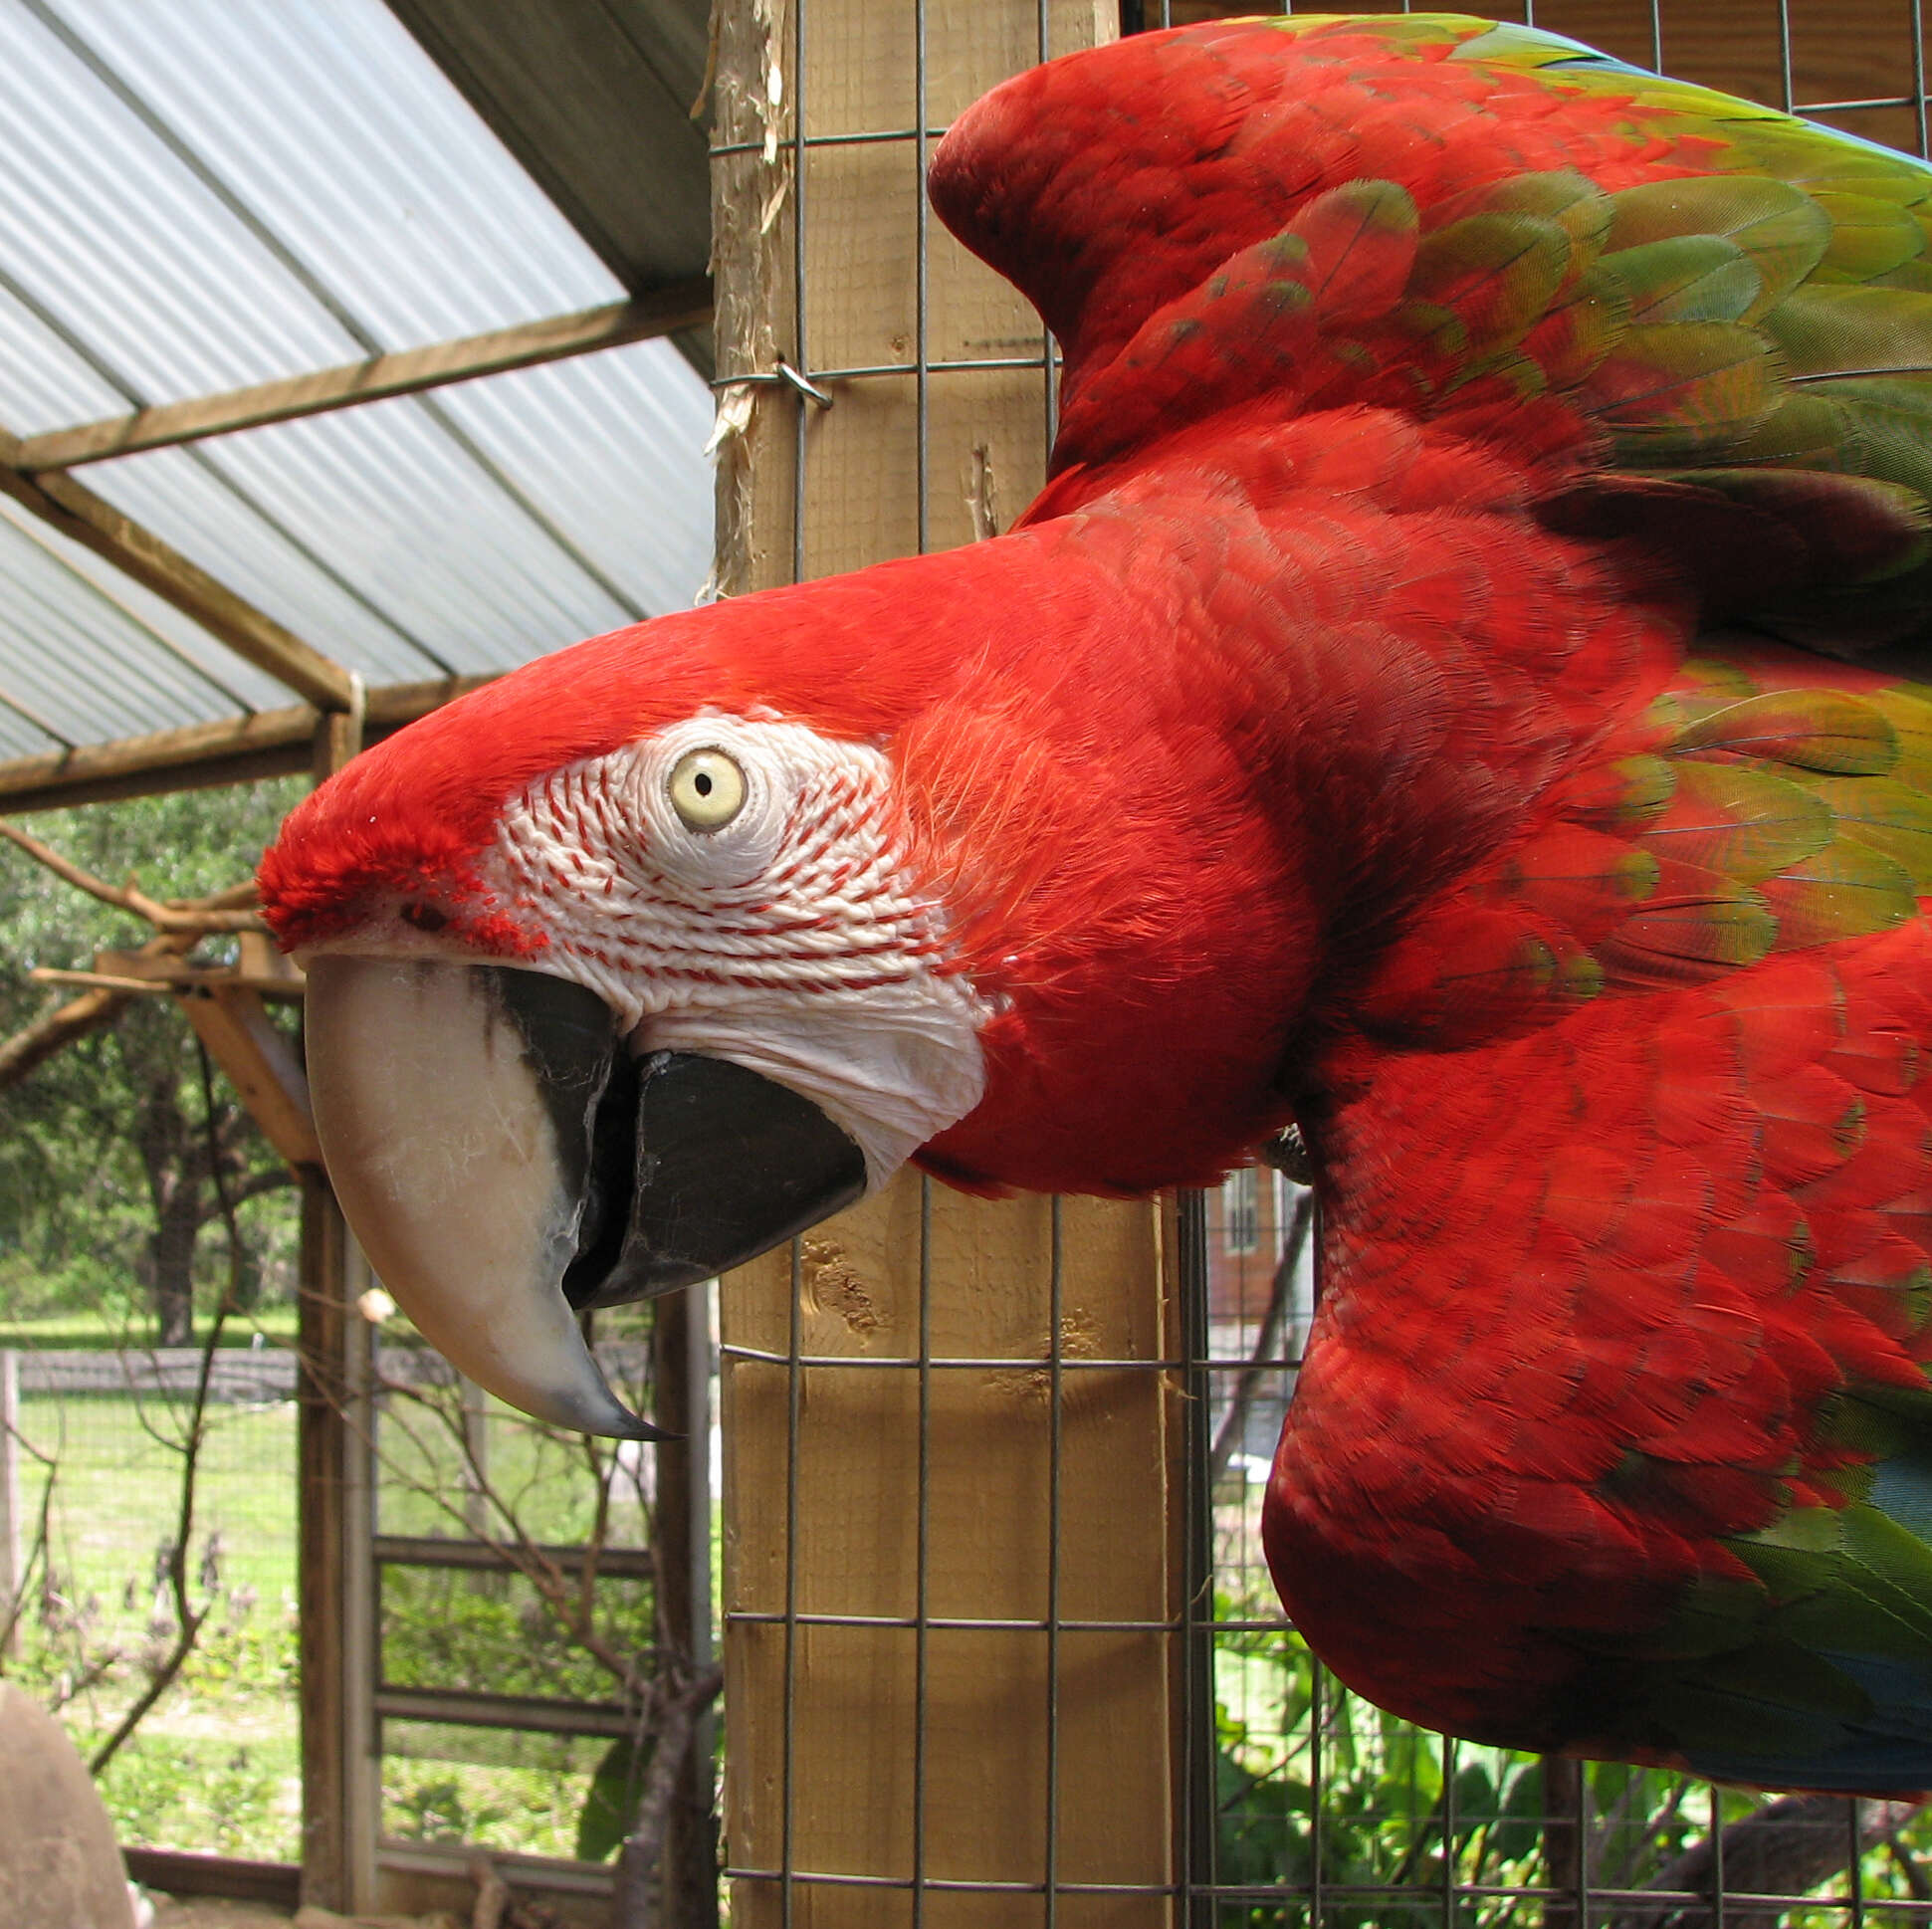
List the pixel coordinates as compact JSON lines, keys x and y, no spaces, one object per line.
{"x":93,"y":1011}
{"x":33,"y":1045}
{"x":1788,"y":1848}
{"x":677,"y":1708}
{"x":520,"y":1552}
{"x":197,"y":916}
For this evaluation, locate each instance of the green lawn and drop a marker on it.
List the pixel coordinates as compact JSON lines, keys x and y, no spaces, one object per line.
{"x":108,"y":1332}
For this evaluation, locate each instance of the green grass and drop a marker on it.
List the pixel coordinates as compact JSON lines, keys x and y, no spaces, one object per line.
{"x":108,"y":1332}
{"x":116,"y":1492}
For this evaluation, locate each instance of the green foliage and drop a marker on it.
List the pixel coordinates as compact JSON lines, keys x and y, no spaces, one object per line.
{"x":225,"y":1797}
{"x":1371,"y":1796}
{"x":94,"y":1140}
{"x":215,"y":1765}
{"x":526,"y":1796}
{"x":489,"y":1633}
{"x":608,"y":1807}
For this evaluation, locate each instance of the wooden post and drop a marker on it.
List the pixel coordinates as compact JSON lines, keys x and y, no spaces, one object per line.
{"x":1017,"y":1724}
{"x":338,"y":1804}
{"x":917,"y":1752}
{"x":688,"y":1872}
{"x":322,"y":1334}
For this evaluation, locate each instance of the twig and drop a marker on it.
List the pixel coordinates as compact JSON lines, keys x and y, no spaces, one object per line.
{"x":187,"y":1620}
{"x":522,"y":1554}
{"x":197,"y":916}
{"x":43,"y":1539}
{"x":1786,"y":1848}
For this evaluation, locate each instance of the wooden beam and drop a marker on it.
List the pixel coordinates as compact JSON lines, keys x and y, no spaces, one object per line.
{"x":260,"y":1063}
{"x":682,"y":305}
{"x":178,"y":1872}
{"x":83,"y":517}
{"x":233,"y":750}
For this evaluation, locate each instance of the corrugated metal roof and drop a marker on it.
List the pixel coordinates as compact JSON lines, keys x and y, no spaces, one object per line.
{"x":212,"y":193}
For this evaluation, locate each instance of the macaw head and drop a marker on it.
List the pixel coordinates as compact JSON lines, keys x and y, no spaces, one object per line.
{"x":628,"y":966}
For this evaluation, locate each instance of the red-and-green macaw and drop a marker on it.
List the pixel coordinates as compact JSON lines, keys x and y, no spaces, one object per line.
{"x":1453,"y":693}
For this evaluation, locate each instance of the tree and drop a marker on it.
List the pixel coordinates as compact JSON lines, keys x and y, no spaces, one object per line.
{"x":105,"y":1166}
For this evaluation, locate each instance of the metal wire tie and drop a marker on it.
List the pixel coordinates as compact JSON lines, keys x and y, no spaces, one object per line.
{"x":784,"y":373}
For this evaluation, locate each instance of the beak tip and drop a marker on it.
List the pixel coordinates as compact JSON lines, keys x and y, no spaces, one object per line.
{"x":642,"y":1429}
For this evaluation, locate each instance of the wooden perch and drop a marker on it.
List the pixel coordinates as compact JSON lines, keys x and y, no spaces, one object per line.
{"x":260,"y":969}
{"x":222,"y":1002}
{"x":260,"y":1063}
{"x":36,"y":1043}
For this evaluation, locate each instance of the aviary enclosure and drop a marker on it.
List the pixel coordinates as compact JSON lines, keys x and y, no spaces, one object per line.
{"x":997,"y":1643}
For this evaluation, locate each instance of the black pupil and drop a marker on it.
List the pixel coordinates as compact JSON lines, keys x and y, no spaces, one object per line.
{"x":702,"y":784}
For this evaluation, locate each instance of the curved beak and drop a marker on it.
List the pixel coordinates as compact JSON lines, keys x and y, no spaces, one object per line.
{"x":507,"y":1164}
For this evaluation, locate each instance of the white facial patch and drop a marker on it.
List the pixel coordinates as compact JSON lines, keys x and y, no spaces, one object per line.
{"x":788,"y":938}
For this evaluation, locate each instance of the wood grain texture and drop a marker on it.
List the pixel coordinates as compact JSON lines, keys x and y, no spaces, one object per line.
{"x":993,"y":1717}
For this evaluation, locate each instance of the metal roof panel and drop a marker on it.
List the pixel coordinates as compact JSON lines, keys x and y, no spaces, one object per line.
{"x":220,"y":192}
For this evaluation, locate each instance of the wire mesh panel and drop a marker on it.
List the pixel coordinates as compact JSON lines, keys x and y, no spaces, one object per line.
{"x":520,"y":1620}
{"x":1156,"y":1745}
{"x":97,"y":1470}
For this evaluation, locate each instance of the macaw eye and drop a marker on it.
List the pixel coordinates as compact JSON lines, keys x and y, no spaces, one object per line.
{"x":707,"y":789}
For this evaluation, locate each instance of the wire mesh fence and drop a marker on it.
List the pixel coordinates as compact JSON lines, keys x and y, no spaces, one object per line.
{"x":504,"y":1719}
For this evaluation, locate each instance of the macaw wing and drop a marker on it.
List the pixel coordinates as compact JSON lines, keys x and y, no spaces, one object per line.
{"x":1616,"y":1432}
{"x":1693,"y":319}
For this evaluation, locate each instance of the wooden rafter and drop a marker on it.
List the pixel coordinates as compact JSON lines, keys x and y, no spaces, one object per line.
{"x":658,"y":311}
{"x":77,"y":512}
{"x":233,"y":750}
